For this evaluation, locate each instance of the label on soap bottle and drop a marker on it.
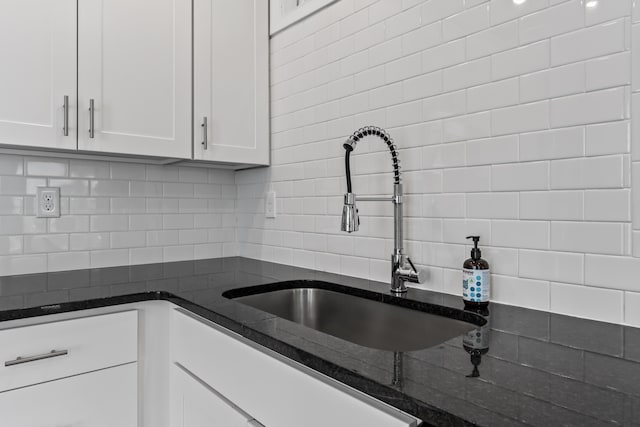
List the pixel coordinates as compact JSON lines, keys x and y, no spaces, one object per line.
{"x":475,"y":285}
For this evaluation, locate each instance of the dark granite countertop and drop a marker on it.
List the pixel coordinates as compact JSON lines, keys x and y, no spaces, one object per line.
{"x":534,"y":368}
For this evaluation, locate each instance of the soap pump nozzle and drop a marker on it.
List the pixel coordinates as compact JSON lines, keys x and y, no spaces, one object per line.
{"x":476,"y":254}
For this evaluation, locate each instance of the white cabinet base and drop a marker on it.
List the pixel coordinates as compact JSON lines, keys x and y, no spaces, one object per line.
{"x":104,"y":398}
{"x":194,"y":404}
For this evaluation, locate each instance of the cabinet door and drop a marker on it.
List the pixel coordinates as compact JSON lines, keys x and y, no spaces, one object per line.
{"x":231,"y":81}
{"x":38,"y":55}
{"x":134,"y":62}
{"x":104,"y":398}
{"x":196,"y":405}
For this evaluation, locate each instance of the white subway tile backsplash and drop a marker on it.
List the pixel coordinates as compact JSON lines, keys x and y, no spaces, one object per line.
{"x":605,"y":305}
{"x":493,"y":95}
{"x":422,"y":86}
{"x":127,"y":239}
{"x":45,"y":243}
{"x":457,"y":230}
{"x":88,"y":169}
{"x":129,"y":171}
{"x":163,"y":238}
{"x":552,"y":205}
{"x":493,"y":40}
{"x":102,"y":188}
{"x":435,"y":10}
{"x":552,"y":266}
{"x":607,"y":138}
{"x":402,"y":23}
{"x":145,"y":255}
{"x":588,"y":43}
{"x":444,"y":55}
{"x":590,"y":172}
{"x":11,"y":245}
{"x":10,"y":225}
{"x":501,"y":154}
{"x":520,"y":176}
{"x":520,"y":234}
{"x":468,"y":74}
{"x":503,"y":149}
{"x":89,"y":205}
{"x":521,"y":118}
{"x":69,"y":224}
{"x":492,"y":205}
{"x":552,"y":21}
{"x":552,"y":144}
{"x":520,"y":61}
{"x":109,"y":258}
{"x":11,"y":205}
{"x":47,"y":167}
{"x":608,"y":71}
{"x":471,"y":126}
{"x":506,"y":10}
{"x":71,"y":187}
{"x":593,"y":107}
{"x":61,"y":261}
{"x":466,"y":22}
{"x":11,"y":165}
{"x":22,"y":264}
{"x":589,"y":237}
{"x":109,"y":223}
{"x":567,"y":80}
{"x":603,"y":11}
{"x":462,"y":180}
{"x":442,"y":106}
{"x":89,"y":241}
{"x":607,"y":205}
{"x":422,"y":38}
{"x":17,"y":185}
{"x":527,"y":293}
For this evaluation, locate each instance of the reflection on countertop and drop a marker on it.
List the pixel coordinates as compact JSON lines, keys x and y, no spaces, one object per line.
{"x":524,"y":367}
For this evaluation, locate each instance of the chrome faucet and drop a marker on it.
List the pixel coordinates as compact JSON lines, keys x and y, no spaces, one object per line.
{"x":402,"y":269}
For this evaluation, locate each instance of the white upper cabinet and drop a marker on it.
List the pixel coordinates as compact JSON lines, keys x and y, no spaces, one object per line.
{"x":134,"y":77}
{"x":38,"y":72}
{"x":231,"y":81}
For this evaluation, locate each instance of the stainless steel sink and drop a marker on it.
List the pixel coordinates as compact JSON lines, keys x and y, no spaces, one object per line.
{"x":360,"y":320}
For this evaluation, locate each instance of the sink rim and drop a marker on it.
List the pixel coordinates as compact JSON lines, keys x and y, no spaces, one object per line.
{"x":411,"y":304}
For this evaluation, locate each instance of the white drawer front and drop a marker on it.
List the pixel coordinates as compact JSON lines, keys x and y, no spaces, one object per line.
{"x":105,"y":398}
{"x":275,"y":393}
{"x":80,"y":345}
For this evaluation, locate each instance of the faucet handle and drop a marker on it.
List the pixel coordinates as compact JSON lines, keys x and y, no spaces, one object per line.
{"x":415,"y":275}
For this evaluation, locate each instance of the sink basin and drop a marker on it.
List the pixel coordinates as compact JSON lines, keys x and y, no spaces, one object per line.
{"x":362,"y":317}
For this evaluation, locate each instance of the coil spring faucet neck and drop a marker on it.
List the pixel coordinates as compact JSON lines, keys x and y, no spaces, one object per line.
{"x":402,"y":269}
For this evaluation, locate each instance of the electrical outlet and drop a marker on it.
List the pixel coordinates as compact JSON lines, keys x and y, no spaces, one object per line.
{"x":270,"y":205}
{"x":48,"y":202}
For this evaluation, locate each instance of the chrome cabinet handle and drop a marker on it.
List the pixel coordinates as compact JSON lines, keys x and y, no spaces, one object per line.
{"x":65,"y":107}
{"x":91,"y":119}
{"x":20,"y":360}
{"x":205,"y":130}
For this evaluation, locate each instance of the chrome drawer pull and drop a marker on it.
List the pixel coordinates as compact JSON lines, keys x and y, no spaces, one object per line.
{"x":65,"y":107}
{"x":205,"y":131}
{"x":52,"y":353}
{"x":92,"y":112}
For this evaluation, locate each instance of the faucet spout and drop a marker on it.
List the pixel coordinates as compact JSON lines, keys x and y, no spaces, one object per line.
{"x":402,"y":269}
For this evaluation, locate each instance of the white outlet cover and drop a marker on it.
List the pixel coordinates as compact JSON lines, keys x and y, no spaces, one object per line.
{"x":270,"y":205}
{"x":48,"y":202}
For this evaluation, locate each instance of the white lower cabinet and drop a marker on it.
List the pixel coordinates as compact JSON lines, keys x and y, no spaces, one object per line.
{"x":275,"y":392}
{"x":194,"y":404}
{"x":118,"y":367}
{"x":105,"y":398}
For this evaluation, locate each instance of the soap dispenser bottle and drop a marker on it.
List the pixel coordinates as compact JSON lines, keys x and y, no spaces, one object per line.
{"x":476,"y":280}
